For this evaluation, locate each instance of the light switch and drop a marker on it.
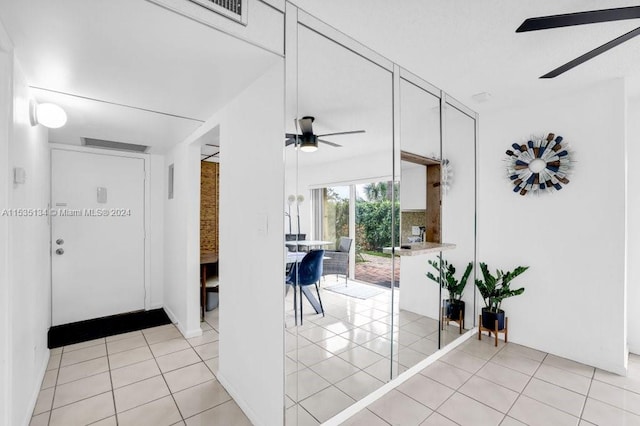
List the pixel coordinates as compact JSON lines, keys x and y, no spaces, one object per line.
{"x":19,"y":175}
{"x":102,"y":195}
{"x":415,"y":230}
{"x":262,"y":224}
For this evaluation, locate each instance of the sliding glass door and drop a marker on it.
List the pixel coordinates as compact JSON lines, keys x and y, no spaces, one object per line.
{"x":334,"y":213}
{"x":373,"y":232}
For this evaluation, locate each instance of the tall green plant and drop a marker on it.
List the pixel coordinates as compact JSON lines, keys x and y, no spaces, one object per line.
{"x":449,"y":281}
{"x":494,"y":289}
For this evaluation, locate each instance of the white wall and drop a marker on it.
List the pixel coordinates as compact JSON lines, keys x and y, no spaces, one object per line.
{"x":251,"y":266}
{"x":633,"y":230}
{"x":6,"y":68}
{"x":264,"y":26}
{"x":179,"y":287}
{"x":157,"y":187}
{"x":30,"y":274}
{"x":574,"y":240}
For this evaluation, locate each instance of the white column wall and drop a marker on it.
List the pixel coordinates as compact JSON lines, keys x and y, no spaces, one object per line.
{"x":251,"y":271}
{"x":252,"y":250}
{"x":177,"y":286}
{"x":158,"y":188}
{"x":574,"y":240}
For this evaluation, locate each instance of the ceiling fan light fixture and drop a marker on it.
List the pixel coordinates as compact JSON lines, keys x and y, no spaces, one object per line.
{"x":308,"y":142}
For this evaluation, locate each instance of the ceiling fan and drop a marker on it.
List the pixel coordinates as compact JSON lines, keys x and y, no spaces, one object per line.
{"x":581,"y":18}
{"x":308,"y":141}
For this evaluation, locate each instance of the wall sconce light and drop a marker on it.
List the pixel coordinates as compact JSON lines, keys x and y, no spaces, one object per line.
{"x":47,"y":114}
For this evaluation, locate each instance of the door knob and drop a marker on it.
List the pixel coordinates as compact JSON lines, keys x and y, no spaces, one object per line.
{"x":60,"y":251}
{"x":59,"y":241}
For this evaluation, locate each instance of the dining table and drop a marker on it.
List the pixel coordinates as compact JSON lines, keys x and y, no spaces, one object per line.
{"x":308,"y":243}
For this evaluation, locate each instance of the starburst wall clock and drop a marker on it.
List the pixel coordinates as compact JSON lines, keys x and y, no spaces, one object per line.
{"x":540,"y":165}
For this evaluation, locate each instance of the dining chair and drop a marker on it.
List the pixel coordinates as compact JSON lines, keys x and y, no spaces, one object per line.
{"x":307,"y":272}
{"x":337,"y":261}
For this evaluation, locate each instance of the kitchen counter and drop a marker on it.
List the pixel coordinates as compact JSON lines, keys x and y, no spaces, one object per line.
{"x":416,"y":249}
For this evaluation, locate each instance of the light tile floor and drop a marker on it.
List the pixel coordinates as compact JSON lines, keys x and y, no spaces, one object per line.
{"x":157,"y":377}
{"x":149,"y":377}
{"x":478,"y":384}
{"x":333,"y":361}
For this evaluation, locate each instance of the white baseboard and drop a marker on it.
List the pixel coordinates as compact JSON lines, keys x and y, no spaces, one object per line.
{"x":36,"y":391}
{"x":253,"y":418}
{"x":186,"y":333}
{"x":171,"y":315}
{"x":344,"y":415}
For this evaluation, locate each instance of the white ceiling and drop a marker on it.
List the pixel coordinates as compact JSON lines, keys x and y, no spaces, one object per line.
{"x":131,"y":71}
{"x":136,"y":72}
{"x":468,"y":47}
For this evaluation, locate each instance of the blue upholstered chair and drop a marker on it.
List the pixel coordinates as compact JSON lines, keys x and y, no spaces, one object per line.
{"x":305,"y":273}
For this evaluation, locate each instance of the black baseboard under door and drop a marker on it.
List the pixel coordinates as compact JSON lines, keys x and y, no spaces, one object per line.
{"x":83,"y":331}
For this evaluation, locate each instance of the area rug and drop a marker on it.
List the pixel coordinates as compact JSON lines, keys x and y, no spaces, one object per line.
{"x":359,"y":291}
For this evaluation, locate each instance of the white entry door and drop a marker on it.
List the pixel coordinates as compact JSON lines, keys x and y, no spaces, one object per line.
{"x":97,"y":235}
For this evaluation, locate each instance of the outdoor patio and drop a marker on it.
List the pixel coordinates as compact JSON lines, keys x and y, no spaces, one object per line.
{"x":377,"y":270}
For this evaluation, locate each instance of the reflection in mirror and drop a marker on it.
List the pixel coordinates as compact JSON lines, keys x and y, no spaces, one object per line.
{"x":458,"y":216}
{"x":420,"y":224}
{"x":339,"y":160}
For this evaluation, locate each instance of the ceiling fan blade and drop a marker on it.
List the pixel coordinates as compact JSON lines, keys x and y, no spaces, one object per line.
{"x":305,"y":124}
{"x":291,"y":135}
{"x":592,"y":54}
{"x":352,"y":132}
{"x":579,"y":18}
{"x":289,"y":141}
{"x":333,"y":144}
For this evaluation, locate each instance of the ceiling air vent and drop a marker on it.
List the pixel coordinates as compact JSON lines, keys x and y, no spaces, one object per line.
{"x":119,"y":146}
{"x":233,"y":9}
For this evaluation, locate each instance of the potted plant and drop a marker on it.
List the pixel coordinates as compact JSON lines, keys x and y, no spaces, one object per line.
{"x":494,"y":289}
{"x":454,"y":306}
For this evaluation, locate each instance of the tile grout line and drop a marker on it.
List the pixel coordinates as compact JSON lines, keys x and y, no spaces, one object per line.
{"x":457,"y":391}
{"x":297,"y":403}
{"x":586,"y":396}
{"x":525,"y":387}
{"x":584,"y":405}
{"x":113,"y":392}
{"x":607,"y":403}
{"x":109,"y":370}
{"x":167,"y":384}
{"x":164,"y":379}
{"x":377,"y":336}
{"x":54,"y":389}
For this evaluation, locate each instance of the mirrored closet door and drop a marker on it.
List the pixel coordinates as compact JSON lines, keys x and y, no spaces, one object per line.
{"x":376,"y":210}
{"x":339,"y":161}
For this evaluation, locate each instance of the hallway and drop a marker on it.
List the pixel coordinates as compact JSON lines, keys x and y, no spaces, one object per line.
{"x":149,"y":377}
